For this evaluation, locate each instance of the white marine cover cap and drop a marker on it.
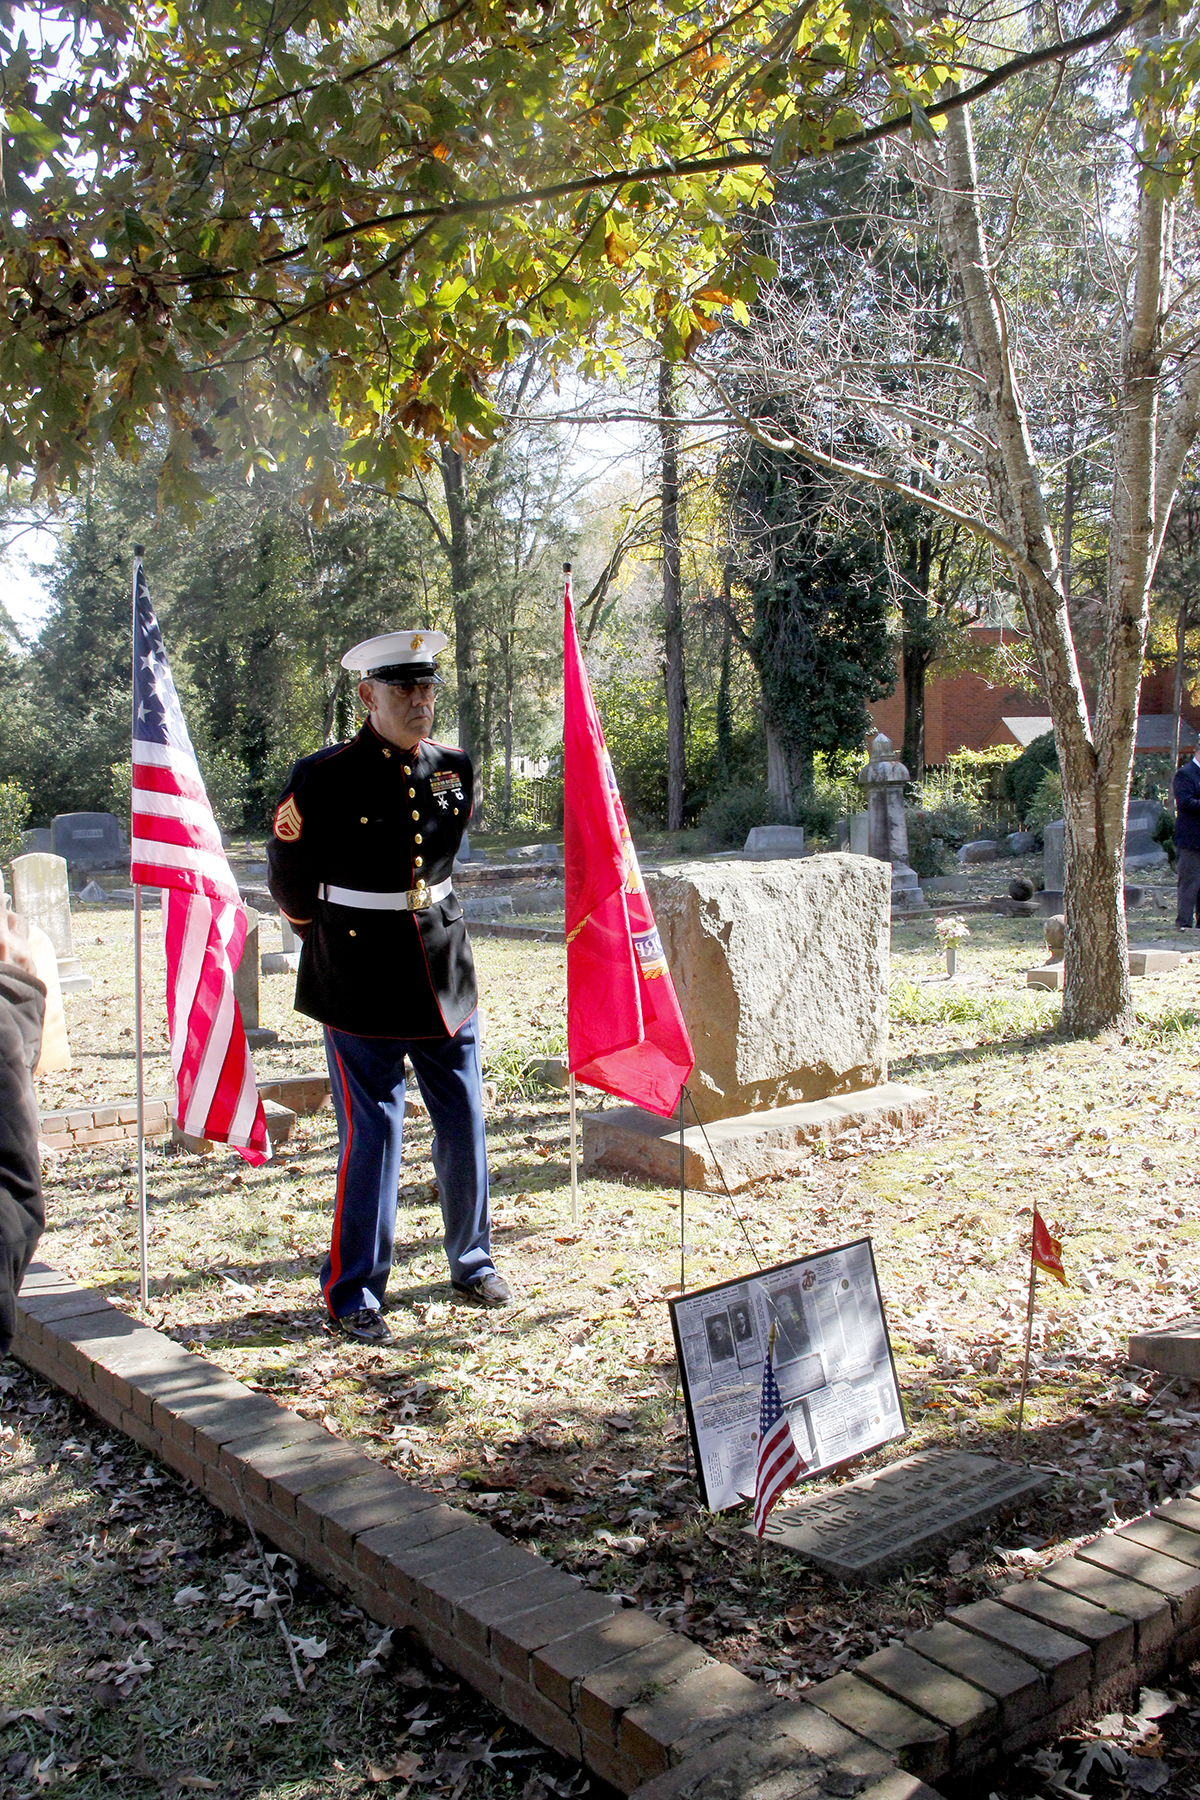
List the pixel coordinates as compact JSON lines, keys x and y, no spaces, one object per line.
{"x":397,"y":656}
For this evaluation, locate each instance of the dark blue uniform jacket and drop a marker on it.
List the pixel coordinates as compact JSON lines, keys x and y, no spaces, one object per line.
{"x":371,"y":817}
{"x":1187,"y":807}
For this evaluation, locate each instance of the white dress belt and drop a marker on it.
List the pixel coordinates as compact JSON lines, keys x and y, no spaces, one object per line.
{"x":414,"y":900}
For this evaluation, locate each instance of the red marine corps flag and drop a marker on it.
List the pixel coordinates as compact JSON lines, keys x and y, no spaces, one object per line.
{"x":625,"y":1032}
{"x":176,"y":846}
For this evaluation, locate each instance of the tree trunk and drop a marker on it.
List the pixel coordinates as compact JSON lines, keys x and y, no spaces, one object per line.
{"x":725,"y":702}
{"x":672,"y":596}
{"x":508,"y":739}
{"x":331,"y":710}
{"x":1095,"y":773}
{"x":779,"y":774}
{"x":462,"y":588}
{"x":914,"y":662}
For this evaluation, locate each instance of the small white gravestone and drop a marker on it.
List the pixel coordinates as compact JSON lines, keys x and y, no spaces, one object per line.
{"x":766,"y":842}
{"x":41,"y":895}
{"x":860,"y":834}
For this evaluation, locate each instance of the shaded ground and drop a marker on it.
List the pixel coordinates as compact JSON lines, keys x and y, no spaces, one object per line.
{"x":560,"y":1422}
{"x":138,"y":1655}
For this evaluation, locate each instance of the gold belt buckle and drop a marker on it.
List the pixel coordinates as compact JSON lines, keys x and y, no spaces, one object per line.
{"x":418,"y":898}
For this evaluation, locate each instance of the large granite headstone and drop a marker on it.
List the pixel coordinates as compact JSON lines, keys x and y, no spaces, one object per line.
{"x":1142,"y":849}
{"x":88,"y":840}
{"x":41,"y":894}
{"x":868,"y":1527}
{"x":782,"y":973}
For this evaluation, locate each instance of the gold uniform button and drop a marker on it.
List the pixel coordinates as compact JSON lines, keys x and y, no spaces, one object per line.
{"x":412,"y":793}
{"x":419,"y":862}
{"x":417,"y":838}
{"x":387,"y":753}
{"x":362,"y":821}
{"x":416,"y":815}
{"x":407,"y":770}
{"x":456,"y":812}
{"x":354,"y":934}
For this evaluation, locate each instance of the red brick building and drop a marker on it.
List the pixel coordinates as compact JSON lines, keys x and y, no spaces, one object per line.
{"x":968,"y":712}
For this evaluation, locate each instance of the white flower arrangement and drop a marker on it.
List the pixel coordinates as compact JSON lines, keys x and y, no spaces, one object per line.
{"x":951,"y":928}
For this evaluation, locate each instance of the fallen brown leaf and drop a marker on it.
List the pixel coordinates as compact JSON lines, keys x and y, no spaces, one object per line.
{"x":402,"y":1768}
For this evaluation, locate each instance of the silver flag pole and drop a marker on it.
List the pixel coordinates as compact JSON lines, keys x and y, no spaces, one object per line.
{"x":144,"y":1267}
{"x":574,"y":1175}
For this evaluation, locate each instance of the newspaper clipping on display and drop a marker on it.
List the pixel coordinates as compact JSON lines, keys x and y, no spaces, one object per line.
{"x":833,"y":1364}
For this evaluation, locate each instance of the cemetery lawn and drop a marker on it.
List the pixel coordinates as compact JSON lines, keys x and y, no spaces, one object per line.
{"x":559,"y":1421}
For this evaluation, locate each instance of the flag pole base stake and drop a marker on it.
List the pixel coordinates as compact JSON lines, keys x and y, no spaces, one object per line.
{"x":1028,"y":1345}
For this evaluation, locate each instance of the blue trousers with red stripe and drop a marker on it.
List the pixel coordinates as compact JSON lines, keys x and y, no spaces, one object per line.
{"x":367,"y":1078}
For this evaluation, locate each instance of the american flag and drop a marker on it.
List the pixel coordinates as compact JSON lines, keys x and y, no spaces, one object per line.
{"x":176,"y":845}
{"x":779,"y":1464}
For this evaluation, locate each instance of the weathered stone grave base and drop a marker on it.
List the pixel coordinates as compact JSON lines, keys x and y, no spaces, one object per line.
{"x":926,"y":1502}
{"x":280,"y":962}
{"x":1172,"y":1349}
{"x":745,"y":1149}
{"x":644,"y":1708}
{"x":1144,"y":959}
{"x":280,"y":1122}
{"x":71,"y":978}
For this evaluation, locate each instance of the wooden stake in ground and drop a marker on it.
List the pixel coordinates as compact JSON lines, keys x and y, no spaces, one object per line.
{"x":1045,"y":1252}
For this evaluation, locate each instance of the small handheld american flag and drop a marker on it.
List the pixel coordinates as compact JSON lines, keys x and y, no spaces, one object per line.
{"x":779,"y":1461}
{"x":176,"y":845}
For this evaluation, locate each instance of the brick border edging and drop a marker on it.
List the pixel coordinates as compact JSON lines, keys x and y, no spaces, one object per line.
{"x":643,"y":1707}
{"x":110,"y":1121}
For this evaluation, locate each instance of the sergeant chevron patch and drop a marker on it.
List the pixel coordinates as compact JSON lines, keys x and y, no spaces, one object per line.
{"x":288,"y":822}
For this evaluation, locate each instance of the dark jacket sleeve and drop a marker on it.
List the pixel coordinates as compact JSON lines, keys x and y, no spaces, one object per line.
{"x":291,"y":874}
{"x":1186,"y":788}
{"x":22,"y":1215}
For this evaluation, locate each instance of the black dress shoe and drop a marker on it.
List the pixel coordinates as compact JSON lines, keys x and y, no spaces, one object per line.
{"x":367,"y":1324}
{"x":490,"y":1290}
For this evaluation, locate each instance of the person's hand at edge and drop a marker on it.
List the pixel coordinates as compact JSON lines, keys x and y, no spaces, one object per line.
{"x":14,"y":942}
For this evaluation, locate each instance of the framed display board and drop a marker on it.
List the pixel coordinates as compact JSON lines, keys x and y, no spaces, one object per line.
{"x":833,"y":1364}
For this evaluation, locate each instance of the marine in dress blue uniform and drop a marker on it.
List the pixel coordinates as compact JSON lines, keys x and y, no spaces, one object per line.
{"x":361,"y":860}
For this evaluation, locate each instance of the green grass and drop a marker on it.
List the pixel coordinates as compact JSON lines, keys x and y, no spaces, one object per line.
{"x":996,"y":1016}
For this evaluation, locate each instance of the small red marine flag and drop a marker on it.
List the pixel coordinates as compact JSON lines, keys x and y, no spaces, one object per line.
{"x":625,"y":1030}
{"x":1047,"y":1251}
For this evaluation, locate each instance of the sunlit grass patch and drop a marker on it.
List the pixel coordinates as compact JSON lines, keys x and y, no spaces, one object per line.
{"x":1168,"y":1023}
{"x":998,"y":1016}
{"x":515,"y":1064}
